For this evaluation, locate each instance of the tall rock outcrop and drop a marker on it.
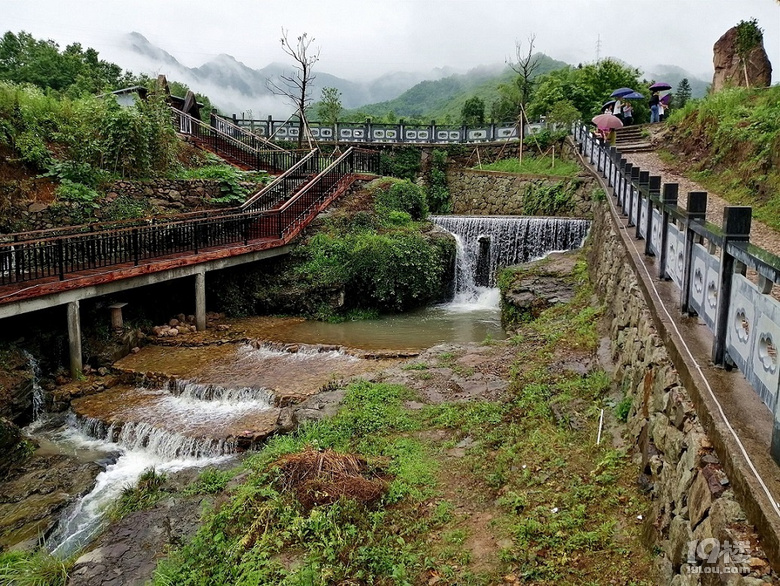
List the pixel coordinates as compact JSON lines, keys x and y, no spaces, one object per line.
{"x":730,"y":71}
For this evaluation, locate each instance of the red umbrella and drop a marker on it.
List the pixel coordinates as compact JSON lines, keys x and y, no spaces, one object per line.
{"x":607,"y":121}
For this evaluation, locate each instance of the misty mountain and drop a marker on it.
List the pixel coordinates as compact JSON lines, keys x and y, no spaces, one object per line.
{"x":236,"y":88}
{"x":672,"y":74}
{"x":443,"y":99}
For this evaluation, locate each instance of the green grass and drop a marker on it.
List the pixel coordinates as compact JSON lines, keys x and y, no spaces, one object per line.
{"x":149,"y":490}
{"x":729,"y":142}
{"x":38,"y":568}
{"x":563,"y":508}
{"x":534,"y":165}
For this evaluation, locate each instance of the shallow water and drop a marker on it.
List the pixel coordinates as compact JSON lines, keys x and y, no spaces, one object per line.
{"x":467,"y":318}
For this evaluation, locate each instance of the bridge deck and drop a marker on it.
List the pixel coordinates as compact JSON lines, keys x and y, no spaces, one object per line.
{"x":99,"y":276}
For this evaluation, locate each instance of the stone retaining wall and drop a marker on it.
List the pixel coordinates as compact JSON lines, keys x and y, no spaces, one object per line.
{"x":153,"y":197}
{"x":495,"y":193}
{"x":692,"y":499}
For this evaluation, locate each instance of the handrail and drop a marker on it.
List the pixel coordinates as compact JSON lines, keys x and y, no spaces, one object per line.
{"x":244,"y":131}
{"x":280,"y":180}
{"x":347,"y":154}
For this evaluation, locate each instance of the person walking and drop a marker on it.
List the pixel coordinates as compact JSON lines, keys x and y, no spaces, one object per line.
{"x":655,"y":102}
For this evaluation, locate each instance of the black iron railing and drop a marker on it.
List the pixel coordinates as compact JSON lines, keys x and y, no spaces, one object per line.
{"x":24,"y":259}
{"x":242,"y":151}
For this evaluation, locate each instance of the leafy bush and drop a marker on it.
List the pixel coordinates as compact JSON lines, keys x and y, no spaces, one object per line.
{"x":229,"y":181}
{"x":403,"y":163}
{"x":391,"y":272}
{"x":126,"y":208}
{"x":403,"y":196}
{"x":549,"y":200}
{"x":437,"y":194}
{"x":77,"y":192}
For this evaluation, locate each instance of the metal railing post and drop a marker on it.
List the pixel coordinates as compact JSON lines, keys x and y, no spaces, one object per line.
{"x":626,"y":189}
{"x":644,"y":183}
{"x":736,"y":228}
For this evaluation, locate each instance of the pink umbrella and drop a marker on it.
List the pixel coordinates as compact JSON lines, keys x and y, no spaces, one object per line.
{"x":607,"y":121}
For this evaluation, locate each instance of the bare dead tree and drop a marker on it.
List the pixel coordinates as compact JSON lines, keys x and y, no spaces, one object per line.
{"x":525,"y":67}
{"x":296,"y":86}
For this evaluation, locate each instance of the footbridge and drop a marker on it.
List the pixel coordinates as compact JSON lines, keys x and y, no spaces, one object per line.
{"x":62,"y":266}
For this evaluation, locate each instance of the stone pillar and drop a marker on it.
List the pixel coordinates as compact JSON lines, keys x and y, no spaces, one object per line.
{"x":200,"y":301}
{"x":74,"y":339}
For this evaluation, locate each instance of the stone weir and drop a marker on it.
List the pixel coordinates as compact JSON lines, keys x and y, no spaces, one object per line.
{"x":207,"y":401}
{"x":487,"y":243}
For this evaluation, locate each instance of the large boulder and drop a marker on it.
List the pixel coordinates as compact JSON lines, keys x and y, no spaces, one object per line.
{"x":729,"y":70}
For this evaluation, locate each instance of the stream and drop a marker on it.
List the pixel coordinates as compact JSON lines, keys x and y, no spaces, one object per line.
{"x":220,"y":393}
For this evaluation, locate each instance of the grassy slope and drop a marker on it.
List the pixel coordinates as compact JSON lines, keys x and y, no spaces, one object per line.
{"x":730,"y":143}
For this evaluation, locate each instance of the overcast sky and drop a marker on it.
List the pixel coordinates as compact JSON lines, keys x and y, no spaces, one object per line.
{"x":365,"y":38}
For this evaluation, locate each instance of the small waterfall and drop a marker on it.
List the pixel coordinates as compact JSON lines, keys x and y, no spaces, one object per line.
{"x":132,"y":449}
{"x":487,"y":243}
{"x":165,"y":444}
{"x":260,"y":397}
{"x":38,"y":400}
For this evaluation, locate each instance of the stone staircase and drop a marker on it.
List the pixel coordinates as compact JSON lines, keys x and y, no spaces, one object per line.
{"x":633,"y":139}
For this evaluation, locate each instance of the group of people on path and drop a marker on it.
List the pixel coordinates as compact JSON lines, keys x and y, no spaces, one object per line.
{"x":625,"y":111}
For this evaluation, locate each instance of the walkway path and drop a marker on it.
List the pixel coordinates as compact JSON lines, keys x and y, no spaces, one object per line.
{"x":760,"y":234}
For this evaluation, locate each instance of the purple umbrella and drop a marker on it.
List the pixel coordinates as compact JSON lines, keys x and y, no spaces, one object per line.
{"x":619,"y":93}
{"x":666,"y":99}
{"x":659,"y":86}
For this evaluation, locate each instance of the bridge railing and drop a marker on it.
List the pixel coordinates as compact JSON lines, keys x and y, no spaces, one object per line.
{"x":401,"y":133}
{"x":240,"y":150}
{"x":722,"y":278}
{"x":24,"y":260}
{"x":316,"y":193}
{"x":284,"y":185}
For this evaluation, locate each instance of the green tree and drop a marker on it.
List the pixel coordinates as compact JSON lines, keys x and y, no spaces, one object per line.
{"x":585,"y":87}
{"x":749,"y":36}
{"x":329,"y":108}
{"x":473,"y":112}
{"x":683,"y":93}
{"x":24,"y":59}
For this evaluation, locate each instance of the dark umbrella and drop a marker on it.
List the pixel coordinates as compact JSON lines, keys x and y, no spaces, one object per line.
{"x":634,"y":96}
{"x":606,"y":105}
{"x":666,"y":99}
{"x":660,"y":86}
{"x":619,"y":93}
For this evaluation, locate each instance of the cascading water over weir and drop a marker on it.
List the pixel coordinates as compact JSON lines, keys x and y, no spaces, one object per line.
{"x":487,"y":243}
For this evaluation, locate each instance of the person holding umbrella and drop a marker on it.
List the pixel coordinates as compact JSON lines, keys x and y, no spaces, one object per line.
{"x":655,"y":100}
{"x":654,"y":104}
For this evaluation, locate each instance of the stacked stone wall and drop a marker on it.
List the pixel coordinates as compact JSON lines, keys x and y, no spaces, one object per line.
{"x":159,"y":197}
{"x":496,"y":193}
{"x":692,"y":499}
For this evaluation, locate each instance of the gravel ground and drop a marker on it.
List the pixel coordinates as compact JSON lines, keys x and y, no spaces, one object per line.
{"x":760,"y":234}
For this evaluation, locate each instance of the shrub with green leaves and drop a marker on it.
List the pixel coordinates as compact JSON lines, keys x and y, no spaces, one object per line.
{"x":403,"y":196}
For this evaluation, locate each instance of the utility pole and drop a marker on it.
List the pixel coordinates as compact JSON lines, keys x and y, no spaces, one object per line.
{"x":598,"y":48}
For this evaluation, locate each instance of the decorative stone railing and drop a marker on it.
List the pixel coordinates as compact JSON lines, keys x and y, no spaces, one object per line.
{"x":709,"y":265}
{"x":369,"y":132}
